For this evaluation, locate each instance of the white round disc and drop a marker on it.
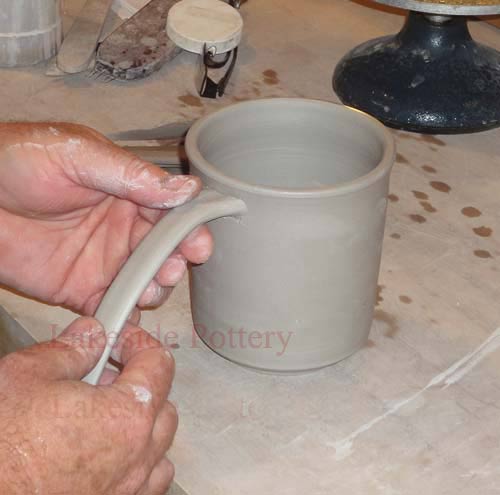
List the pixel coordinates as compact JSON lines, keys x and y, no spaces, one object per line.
{"x":191,"y":24}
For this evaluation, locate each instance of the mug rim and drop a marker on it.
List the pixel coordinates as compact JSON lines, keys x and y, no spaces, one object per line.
{"x":380,"y":170}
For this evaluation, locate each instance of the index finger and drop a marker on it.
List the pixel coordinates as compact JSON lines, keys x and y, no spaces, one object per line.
{"x":148,"y":368}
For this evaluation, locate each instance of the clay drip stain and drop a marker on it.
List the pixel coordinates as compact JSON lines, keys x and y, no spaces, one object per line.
{"x":389,"y":320}
{"x":191,"y":101}
{"x":418,"y":218}
{"x":429,"y":169}
{"x":440,"y":186}
{"x":370,"y":343}
{"x":401,"y":159}
{"x":405,"y":299}
{"x":428,"y":207}
{"x":271,"y":77}
{"x":420,"y":195}
{"x":396,"y":236}
{"x":393,"y":198}
{"x":482,"y":253}
{"x":471,"y":212}
{"x":483,"y":231}
{"x":428,"y":138}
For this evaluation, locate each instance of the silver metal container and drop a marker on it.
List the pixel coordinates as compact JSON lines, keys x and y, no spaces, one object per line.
{"x":30,"y":31}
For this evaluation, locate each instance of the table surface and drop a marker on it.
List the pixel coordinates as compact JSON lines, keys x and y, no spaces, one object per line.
{"x":417,"y":410}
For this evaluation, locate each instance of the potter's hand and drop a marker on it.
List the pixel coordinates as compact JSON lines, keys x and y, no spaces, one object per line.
{"x":62,"y":436}
{"x":73,"y":206}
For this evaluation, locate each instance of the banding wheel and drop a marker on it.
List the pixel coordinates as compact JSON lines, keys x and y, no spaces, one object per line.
{"x":431,"y":77}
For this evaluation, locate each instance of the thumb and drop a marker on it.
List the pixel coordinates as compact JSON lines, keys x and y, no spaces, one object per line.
{"x":104,"y":166}
{"x":68,"y":357}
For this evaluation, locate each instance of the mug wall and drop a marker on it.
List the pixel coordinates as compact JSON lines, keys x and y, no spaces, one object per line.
{"x":299,"y":270}
{"x":307,"y":269}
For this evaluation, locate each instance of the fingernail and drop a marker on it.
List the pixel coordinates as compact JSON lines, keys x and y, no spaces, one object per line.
{"x":84,"y":333}
{"x":116,"y":351}
{"x":83,"y":327}
{"x":181,"y":189}
{"x":176,"y":267}
{"x":202,"y":245}
{"x":152,"y":294}
{"x":135,"y":316}
{"x":175,"y":182}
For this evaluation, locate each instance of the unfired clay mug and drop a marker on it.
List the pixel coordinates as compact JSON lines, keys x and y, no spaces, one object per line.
{"x":297,"y":191}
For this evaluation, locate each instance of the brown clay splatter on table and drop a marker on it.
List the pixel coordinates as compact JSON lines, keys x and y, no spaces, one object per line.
{"x":175,"y":346}
{"x":420,"y":195}
{"x":440,"y":186}
{"x":396,"y":236}
{"x":379,"y":298}
{"x":191,"y":101}
{"x":483,"y":231}
{"x":428,"y":138}
{"x":429,"y":169}
{"x":401,"y":159}
{"x":405,"y":299}
{"x":418,"y":218}
{"x":471,"y":212}
{"x":271,"y":77}
{"x":482,"y":253}
{"x":428,"y":207}
{"x":424,"y":461}
{"x":389,"y":320}
{"x":393,"y":198}
{"x":370,"y":343}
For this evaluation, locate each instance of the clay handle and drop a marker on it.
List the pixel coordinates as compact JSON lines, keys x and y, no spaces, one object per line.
{"x":146,"y":260}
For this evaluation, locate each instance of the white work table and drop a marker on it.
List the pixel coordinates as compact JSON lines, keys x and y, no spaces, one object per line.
{"x":415,"y":412}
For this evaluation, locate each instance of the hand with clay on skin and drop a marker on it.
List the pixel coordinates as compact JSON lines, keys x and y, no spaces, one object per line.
{"x":73,"y":206}
{"x":62,"y":436}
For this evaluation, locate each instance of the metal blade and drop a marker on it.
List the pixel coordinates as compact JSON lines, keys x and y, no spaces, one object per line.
{"x":176,"y":130}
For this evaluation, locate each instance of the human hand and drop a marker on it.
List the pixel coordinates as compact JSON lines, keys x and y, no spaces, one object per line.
{"x":61,"y":436}
{"x":73,"y":206}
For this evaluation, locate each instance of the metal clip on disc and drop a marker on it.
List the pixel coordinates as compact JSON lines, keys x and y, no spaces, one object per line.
{"x":212,"y":29}
{"x":206,"y":86}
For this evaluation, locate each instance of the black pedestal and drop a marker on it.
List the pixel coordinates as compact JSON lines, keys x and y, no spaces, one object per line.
{"x":432,"y":77}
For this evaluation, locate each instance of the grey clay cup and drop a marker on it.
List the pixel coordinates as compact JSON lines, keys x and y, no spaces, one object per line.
{"x":297,"y":193}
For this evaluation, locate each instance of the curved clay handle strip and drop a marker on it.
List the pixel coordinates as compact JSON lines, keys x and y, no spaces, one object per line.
{"x":147,"y":259}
